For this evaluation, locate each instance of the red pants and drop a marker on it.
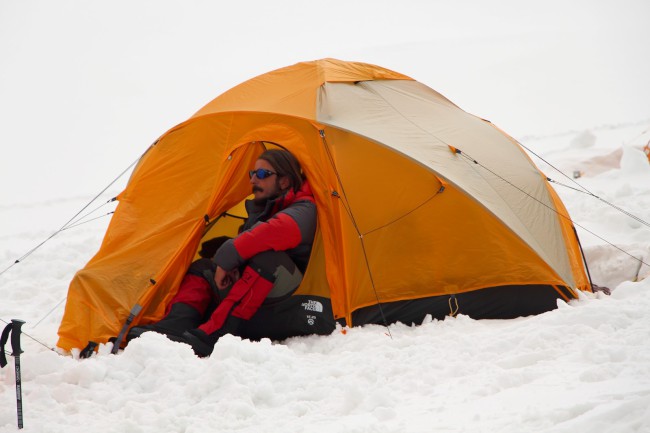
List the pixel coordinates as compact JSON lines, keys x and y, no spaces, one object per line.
{"x":246,"y":295}
{"x":244,"y":299}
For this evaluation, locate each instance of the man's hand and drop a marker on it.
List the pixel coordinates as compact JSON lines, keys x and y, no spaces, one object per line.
{"x":224,"y":278}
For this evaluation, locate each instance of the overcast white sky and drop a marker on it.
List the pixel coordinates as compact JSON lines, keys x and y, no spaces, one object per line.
{"x":85,"y":87}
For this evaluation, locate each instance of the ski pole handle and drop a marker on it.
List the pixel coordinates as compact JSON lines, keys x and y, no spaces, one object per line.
{"x":15,"y":336}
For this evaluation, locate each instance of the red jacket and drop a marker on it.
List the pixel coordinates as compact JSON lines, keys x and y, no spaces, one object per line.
{"x":287,"y":223}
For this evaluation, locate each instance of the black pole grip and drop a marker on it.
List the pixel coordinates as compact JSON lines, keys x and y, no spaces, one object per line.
{"x":3,"y":340}
{"x":15,"y":337}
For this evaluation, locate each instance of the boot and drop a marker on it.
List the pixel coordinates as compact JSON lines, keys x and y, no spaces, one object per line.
{"x":180,"y":318}
{"x":203,"y":344}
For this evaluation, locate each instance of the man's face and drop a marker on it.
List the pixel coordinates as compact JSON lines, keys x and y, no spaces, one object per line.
{"x":270,"y":187}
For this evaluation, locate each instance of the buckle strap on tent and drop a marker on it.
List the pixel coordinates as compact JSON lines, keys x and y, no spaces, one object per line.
{"x":453,"y":311}
{"x":118,"y":341}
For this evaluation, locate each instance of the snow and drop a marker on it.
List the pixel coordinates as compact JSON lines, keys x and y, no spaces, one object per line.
{"x":85,"y":88}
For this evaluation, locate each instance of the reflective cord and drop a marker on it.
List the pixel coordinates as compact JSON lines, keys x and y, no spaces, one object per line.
{"x":22,"y":332}
{"x":90,"y":220}
{"x":76,"y":220}
{"x":469,"y":158}
{"x":70,"y":224}
{"x":50,"y":312}
{"x":581,"y":188}
{"x":629,"y":214}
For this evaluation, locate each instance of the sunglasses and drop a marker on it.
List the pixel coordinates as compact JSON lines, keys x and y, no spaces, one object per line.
{"x":260,"y":173}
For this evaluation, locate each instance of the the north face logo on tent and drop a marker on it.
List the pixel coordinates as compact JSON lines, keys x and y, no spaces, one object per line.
{"x":313,"y":306}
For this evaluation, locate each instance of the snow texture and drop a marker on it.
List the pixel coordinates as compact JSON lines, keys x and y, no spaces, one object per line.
{"x":86,"y":88}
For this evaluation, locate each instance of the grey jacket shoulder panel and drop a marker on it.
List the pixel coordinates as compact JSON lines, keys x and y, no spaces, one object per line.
{"x":304,"y":214}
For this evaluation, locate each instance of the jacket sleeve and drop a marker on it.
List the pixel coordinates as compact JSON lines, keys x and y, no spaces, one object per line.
{"x":285,"y":230}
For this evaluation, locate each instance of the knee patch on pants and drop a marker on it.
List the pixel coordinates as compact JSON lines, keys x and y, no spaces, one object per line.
{"x":277,"y":267}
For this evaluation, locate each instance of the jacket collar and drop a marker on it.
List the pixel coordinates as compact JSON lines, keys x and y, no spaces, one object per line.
{"x":290,"y":197}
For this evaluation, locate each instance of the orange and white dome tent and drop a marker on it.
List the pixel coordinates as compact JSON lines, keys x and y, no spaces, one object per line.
{"x":422,"y":208}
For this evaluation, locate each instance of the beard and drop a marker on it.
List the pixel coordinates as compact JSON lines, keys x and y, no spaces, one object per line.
{"x":259,"y":201}
{"x":262,"y":200}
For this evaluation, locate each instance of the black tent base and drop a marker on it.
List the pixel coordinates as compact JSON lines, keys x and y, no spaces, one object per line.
{"x":503,"y":302}
{"x":300,"y":315}
{"x":308,"y":315}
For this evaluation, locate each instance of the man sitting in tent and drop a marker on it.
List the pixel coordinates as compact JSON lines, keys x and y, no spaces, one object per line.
{"x":266,"y":259}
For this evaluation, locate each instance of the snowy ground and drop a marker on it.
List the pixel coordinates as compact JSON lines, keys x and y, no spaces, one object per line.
{"x":582,"y":367}
{"x":84,"y":90}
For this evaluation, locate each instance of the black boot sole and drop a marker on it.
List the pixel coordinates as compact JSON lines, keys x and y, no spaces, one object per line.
{"x":200,"y":347}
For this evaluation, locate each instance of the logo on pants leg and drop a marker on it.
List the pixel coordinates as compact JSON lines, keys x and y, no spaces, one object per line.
{"x":313,"y":306}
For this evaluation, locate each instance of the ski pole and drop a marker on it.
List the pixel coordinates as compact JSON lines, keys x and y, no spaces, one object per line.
{"x":15,"y":352}
{"x":14,"y":329}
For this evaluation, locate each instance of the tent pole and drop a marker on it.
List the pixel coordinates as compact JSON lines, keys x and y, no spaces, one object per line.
{"x":356,"y":228}
{"x":584,"y":259}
